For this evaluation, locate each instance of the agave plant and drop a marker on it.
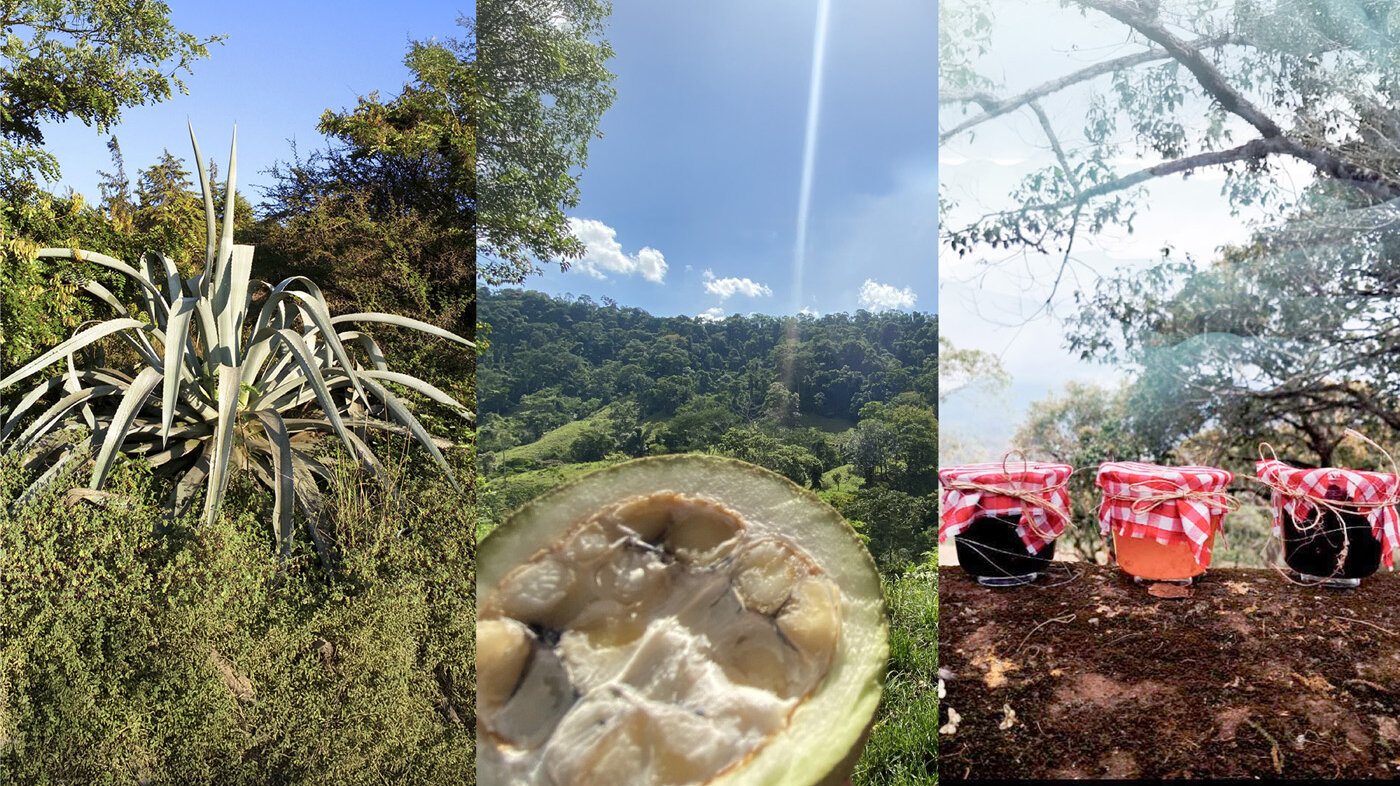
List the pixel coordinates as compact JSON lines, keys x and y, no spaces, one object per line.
{"x":221,"y":383}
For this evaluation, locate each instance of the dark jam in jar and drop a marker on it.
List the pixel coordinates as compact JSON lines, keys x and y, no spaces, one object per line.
{"x":1315,"y":552}
{"x":990,"y":550}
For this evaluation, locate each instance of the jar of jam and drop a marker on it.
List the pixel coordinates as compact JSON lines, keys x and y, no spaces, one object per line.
{"x":1162,"y":519}
{"x":1337,"y":525}
{"x":1004,"y":518}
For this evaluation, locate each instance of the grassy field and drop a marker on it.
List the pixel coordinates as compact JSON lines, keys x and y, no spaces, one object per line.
{"x":554,"y":444}
{"x":903,"y":746}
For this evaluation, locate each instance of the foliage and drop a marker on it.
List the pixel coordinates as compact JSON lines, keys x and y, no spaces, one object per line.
{"x":1289,"y":340}
{"x":901,"y":527}
{"x":587,"y":351}
{"x":190,"y":658}
{"x":903,"y":746}
{"x":84,"y":60}
{"x":223,"y":396}
{"x":384,"y":215}
{"x":1084,"y":426}
{"x":543,"y":88}
{"x":39,"y":304}
{"x":960,"y":369}
{"x":790,"y":461}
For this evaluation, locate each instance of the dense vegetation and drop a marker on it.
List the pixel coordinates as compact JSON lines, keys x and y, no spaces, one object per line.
{"x":842,"y":403}
{"x":191,"y":656}
{"x":137,"y":648}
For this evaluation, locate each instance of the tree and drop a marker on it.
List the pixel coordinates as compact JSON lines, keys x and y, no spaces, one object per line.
{"x":1311,"y":80}
{"x":1290,"y":338}
{"x":592,"y":444}
{"x":901,"y":527}
{"x":384,"y":214}
{"x":780,"y":405}
{"x":791,"y":461}
{"x":388,"y":205}
{"x":83,"y":59}
{"x":1083,"y":427}
{"x":964,"y":368}
{"x":543,"y":88}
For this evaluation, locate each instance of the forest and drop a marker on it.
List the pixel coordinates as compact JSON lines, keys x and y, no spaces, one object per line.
{"x":842,"y":404}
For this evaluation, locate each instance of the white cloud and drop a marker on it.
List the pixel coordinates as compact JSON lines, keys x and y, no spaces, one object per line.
{"x":711,"y":315}
{"x":883,"y":297}
{"x":727,"y":287}
{"x":809,"y":311}
{"x":603,"y":254}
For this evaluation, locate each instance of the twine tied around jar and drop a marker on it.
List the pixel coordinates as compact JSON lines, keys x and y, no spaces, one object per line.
{"x":1144,"y":503}
{"x":1337,"y":507}
{"x":1038,"y":497}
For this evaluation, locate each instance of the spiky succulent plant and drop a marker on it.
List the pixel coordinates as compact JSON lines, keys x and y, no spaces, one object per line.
{"x":221,"y":383}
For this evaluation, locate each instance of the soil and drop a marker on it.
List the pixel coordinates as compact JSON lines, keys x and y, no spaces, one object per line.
{"x":1085,"y":675}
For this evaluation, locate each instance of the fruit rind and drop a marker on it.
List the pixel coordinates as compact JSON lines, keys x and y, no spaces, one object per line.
{"x":834,"y":721}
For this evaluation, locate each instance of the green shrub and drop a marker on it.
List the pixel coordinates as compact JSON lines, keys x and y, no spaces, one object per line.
{"x":189,"y":657}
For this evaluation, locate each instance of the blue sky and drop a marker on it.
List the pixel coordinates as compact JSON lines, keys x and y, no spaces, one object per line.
{"x":282,"y":65}
{"x":701,"y":160}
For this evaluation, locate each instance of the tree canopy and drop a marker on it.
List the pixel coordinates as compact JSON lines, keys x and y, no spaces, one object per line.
{"x":1290,"y":336}
{"x":544,"y":86}
{"x":1230,"y":85}
{"x":82,"y":59}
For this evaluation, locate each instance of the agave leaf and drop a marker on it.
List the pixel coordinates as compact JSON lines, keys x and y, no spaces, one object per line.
{"x":309,"y":496}
{"x":315,"y":308}
{"x":101,"y":376}
{"x":401,"y":414}
{"x":116,"y":431}
{"x":72,"y":385}
{"x":394,"y":319}
{"x":78,"y":255}
{"x":371,"y":347}
{"x":175,"y":347}
{"x":208,"y":201}
{"x":77,"y":456}
{"x":173,"y":282}
{"x":318,"y":384}
{"x":77,"y":342}
{"x":226,"y":234}
{"x":272,"y":317}
{"x":102,"y":293}
{"x":281,"y":452}
{"x":176,"y":450}
{"x":242,"y":262}
{"x":182,"y":496}
{"x":358,"y":446}
{"x":230,"y":301}
{"x":223,"y":442}
{"x":418,"y":385}
{"x":55,"y":413}
{"x":297,"y":425}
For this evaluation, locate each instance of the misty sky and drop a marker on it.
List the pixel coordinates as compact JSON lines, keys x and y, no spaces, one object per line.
{"x":995,"y":301}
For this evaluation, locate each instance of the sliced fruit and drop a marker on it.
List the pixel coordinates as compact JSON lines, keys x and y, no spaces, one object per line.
{"x":676,"y":620}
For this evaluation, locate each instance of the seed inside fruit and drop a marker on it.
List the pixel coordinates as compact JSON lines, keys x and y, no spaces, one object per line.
{"x":659,"y":639}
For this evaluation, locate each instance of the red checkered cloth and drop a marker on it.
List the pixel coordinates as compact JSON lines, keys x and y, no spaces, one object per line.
{"x":1167,"y":504}
{"x":1033,"y":490}
{"x":1370,"y":493}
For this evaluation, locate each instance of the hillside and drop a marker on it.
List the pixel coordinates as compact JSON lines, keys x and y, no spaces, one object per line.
{"x":1088,"y":676}
{"x":841,"y":404}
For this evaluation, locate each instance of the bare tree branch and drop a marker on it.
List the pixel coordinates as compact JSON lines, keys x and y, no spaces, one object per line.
{"x":995,"y":107}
